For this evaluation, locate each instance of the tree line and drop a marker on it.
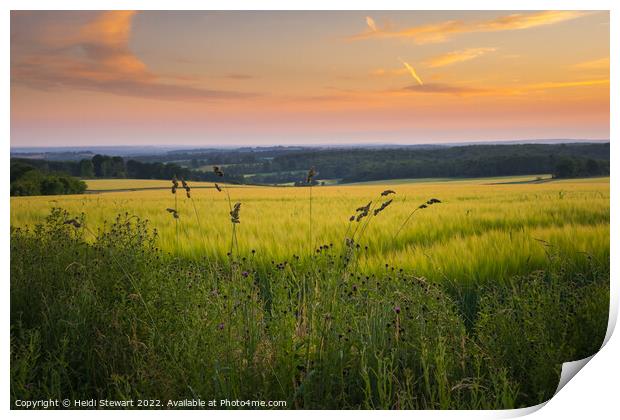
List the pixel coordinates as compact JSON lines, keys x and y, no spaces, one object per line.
{"x":355,"y":165}
{"x":288,"y":165}
{"x":44,"y":177}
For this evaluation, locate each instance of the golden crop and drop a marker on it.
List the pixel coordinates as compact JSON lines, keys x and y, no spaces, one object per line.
{"x":481,"y":230}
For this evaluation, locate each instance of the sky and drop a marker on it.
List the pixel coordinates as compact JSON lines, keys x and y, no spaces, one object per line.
{"x":225,"y":78}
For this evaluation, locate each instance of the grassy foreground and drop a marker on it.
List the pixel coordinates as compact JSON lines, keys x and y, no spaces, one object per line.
{"x":474,"y":304}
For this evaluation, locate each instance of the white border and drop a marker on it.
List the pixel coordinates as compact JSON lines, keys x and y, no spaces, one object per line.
{"x":593,"y":393}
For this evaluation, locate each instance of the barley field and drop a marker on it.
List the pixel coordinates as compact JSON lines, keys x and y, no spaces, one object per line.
{"x":483,"y":229}
{"x":465,"y":294}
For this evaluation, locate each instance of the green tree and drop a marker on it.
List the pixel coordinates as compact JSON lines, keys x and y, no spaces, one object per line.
{"x":97,"y":165}
{"x":87,"y":169}
{"x":565,"y":168}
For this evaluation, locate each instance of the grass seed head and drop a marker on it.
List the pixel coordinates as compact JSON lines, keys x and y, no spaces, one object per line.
{"x":364,"y":208}
{"x":383,"y":206}
{"x":186,"y":187}
{"x":234,"y":213}
{"x":174,"y":213}
{"x":311,"y":175}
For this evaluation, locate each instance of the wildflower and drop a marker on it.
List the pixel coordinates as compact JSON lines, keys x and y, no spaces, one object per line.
{"x":422,"y":206}
{"x":217,"y":187}
{"x":220,"y":326}
{"x":397,"y":309}
{"x":175,"y":184}
{"x":245,"y":274}
{"x":387,"y":192}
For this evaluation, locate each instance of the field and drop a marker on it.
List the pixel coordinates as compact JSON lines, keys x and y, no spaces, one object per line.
{"x":417,"y":312}
{"x":480,"y":231}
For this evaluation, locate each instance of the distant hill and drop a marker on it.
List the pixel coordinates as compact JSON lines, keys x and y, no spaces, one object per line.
{"x":284,"y":165}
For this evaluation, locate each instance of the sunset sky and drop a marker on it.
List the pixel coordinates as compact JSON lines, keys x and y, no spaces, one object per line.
{"x":263,"y":78}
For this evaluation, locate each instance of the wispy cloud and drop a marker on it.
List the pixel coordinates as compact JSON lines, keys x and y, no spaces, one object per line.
{"x":411,"y":71}
{"x":459,"y":56}
{"x":388,"y":72}
{"x":96,"y":57}
{"x":443,"y":31}
{"x":557,"y":85}
{"x":445,"y":89}
{"x":238,"y":76}
{"x":371,"y":24}
{"x":462,"y":90}
{"x":598,"y":64}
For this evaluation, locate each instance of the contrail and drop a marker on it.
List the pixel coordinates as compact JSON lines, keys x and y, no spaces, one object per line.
{"x":411,"y":70}
{"x":371,"y":23}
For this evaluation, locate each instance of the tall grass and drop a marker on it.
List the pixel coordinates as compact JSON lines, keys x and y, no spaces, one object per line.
{"x":103,"y":312}
{"x":421,"y":318}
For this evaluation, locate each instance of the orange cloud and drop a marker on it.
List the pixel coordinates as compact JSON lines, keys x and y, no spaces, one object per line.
{"x":454,"y":57}
{"x":446,"y":89}
{"x":599,"y":64}
{"x":442,"y":31}
{"x":556,"y":85}
{"x":388,"y":72}
{"x":461,"y":90}
{"x":96,"y":57}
